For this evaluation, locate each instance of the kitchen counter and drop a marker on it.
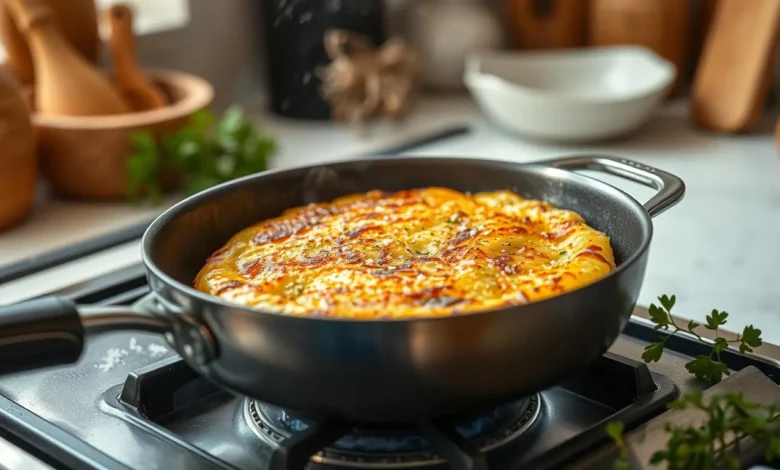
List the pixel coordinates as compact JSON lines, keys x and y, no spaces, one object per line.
{"x":713,"y":250}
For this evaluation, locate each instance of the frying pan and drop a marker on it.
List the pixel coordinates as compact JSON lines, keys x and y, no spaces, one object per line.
{"x":385,"y":370}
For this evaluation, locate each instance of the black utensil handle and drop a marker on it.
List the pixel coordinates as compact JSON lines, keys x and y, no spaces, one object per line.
{"x":671,"y":189}
{"x":50,"y":331}
{"x":40,"y":333}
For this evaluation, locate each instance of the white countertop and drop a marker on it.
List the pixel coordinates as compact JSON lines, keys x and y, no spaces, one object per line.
{"x":713,"y":250}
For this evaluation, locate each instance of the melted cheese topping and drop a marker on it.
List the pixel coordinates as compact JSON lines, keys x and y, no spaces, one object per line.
{"x":422,"y":252}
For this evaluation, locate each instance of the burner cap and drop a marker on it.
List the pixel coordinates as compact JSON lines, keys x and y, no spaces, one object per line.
{"x":396,"y":446}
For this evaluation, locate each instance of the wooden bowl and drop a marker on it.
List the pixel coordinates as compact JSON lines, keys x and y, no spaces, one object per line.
{"x":85,"y":157}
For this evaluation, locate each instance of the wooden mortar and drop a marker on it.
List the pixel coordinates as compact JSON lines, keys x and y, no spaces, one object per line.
{"x":85,"y":157}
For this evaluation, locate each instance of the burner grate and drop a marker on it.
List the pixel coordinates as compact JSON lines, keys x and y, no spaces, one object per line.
{"x":168,"y":397}
{"x":398,"y":447}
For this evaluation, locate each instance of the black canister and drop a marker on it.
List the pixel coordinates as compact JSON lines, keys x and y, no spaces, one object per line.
{"x":295,"y":33}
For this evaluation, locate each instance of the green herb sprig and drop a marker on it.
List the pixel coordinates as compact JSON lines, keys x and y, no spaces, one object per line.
{"x":705,"y":367}
{"x":615,"y":431}
{"x":204,"y":151}
{"x":730,"y":419}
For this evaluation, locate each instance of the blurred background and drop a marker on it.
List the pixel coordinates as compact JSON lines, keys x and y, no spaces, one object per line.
{"x":112,"y":111}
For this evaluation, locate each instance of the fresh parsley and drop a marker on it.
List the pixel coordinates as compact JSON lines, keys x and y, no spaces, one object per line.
{"x":204,"y":152}
{"x":705,"y":367}
{"x":730,"y":419}
{"x":144,"y":168}
{"x":615,"y":431}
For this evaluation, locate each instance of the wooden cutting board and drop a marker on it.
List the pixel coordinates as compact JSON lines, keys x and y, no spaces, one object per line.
{"x":701,"y":27}
{"x":547,"y":24}
{"x":735,"y":69}
{"x":660,"y":25}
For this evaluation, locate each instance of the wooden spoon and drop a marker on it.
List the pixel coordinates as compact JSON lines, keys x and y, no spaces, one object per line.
{"x":66,"y":84}
{"x":128,"y":77}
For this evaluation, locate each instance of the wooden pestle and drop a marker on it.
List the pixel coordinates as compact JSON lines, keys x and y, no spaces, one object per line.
{"x":128,"y":78}
{"x":65,"y":83}
{"x":77,"y":20}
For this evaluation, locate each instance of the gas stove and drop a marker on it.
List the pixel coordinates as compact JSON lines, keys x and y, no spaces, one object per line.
{"x":132,"y":403}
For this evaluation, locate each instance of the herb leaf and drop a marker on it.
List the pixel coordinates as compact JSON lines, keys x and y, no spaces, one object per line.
{"x":659,"y":316}
{"x":705,"y":368}
{"x":751,"y":338}
{"x":143,"y":168}
{"x":615,"y":431}
{"x":715,"y":443}
{"x":729,"y":417}
{"x":667,"y":302}
{"x":653,"y":352}
{"x":716,"y":319}
{"x":204,"y":151}
{"x":709,"y":367}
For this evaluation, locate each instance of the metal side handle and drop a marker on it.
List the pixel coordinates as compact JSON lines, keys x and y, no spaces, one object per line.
{"x":671,"y":189}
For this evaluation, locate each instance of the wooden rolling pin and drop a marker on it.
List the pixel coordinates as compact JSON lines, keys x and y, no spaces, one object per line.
{"x":65,"y":83}
{"x":128,"y":78}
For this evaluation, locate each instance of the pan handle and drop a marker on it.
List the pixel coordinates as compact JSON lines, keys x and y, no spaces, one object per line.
{"x":671,"y":189}
{"x":50,"y":331}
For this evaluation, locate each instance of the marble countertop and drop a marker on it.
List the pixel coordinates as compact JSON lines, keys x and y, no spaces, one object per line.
{"x":714,"y":250}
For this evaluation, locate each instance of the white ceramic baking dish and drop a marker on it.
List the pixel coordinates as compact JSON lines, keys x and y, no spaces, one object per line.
{"x":569,"y":95}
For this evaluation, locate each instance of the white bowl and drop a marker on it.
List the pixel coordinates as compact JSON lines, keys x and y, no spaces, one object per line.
{"x":570,"y":95}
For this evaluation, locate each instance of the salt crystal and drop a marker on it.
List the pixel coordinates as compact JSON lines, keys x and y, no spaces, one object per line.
{"x":112,"y":358}
{"x":156,"y":349}
{"x":135,"y":347}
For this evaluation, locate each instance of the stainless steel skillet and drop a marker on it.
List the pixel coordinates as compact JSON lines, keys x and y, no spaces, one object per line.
{"x":368,"y":371}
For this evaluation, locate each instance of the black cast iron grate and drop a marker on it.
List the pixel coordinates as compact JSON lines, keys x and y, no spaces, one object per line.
{"x":159,"y":391}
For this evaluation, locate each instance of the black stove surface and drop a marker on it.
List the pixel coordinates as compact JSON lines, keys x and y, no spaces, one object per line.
{"x":130,"y":402}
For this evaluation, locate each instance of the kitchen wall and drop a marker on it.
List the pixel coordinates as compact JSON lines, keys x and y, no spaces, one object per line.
{"x":221,"y":42}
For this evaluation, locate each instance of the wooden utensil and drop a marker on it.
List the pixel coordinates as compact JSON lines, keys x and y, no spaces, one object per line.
{"x":65,"y":83}
{"x":18,"y":160}
{"x":661,"y":25}
{"x":85,"y":157}
{"x":128,"y":78}
{"x":547,"y":24}
{"x":78,"y":22}
{"x":734,"y":72}
{"x":703,"y":20}
{"x":777,"y":134}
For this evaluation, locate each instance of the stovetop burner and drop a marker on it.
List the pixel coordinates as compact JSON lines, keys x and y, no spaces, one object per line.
{"x":132,"y":403}
{"x":398,"y":446}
